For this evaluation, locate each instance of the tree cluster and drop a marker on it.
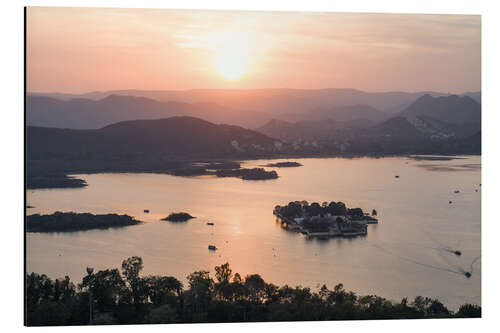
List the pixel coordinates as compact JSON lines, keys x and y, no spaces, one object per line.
{"x":304,"y":209}
{"x":125,"y":297}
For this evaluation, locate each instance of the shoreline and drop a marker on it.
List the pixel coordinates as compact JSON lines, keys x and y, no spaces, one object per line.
{"x":68,"y":180}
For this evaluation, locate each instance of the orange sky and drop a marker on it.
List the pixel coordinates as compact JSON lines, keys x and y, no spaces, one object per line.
{"x":87,"y":49}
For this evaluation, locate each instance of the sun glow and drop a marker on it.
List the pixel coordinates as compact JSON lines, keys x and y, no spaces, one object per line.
{"x":232,"y":57}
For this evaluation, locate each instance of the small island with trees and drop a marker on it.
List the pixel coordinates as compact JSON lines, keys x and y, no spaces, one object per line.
{"x":288,"y":164}
{"x":332,"y":219}
{"x":178,"y":217}
{"x":67,"y":222}
{"x":248,"y":174}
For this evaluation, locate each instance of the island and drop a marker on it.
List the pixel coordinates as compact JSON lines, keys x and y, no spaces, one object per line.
{"x":248,"y":174}
{"x":53,"y":181}
{"x":178,"y":217}
{"x":284,"y":164}
{"x":70,"y":221}
{"x":332,"y":219}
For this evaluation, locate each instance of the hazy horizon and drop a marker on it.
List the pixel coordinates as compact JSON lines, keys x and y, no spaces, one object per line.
{"x":249,"y":89}
{"x":80,"y":50}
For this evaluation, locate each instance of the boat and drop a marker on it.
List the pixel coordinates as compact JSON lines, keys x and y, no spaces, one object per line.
{"x":146,"y":210}
{"x":210,"y":223}
{"x":212,"y":247}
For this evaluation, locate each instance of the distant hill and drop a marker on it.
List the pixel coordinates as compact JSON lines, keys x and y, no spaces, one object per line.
{"x":452,"y":109}
{"x":444,"y":117}
{"x":84,"y":113}
{"x":352,"y":113}
{"x":397,"y":128}
{"x":303,"y":130}
{"x":272,"y":101}
{"x":341,"y":114}
{"x":307,"y":130}
{"x":175,"y":137}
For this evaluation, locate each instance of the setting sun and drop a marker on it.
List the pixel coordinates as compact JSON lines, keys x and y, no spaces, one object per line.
{"x":232,"y":56}
{"x":231,"y":63}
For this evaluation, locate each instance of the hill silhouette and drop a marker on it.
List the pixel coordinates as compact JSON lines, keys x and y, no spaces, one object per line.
{"x":451,"y":109}
{"x":175,"y":136}
{"x":272,"y":101}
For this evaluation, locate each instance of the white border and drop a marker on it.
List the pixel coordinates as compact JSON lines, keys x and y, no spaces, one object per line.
{"x":11,"y":305}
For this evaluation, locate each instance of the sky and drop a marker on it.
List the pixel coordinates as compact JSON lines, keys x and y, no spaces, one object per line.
{"x":78,"y":50}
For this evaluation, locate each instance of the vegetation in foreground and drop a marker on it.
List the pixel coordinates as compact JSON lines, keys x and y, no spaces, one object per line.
{"x":126,"y":297}
{"x":65,"y":222}
{"x":178,"y":217}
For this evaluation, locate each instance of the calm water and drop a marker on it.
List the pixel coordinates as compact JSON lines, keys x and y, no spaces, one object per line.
{"x":402,"y":256}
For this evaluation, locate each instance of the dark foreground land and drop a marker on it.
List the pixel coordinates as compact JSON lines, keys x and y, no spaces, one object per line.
{"x":66,"y":222}
{"x":125,"y":297}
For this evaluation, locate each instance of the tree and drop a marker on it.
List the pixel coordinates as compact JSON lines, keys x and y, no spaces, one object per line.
{"x":138,"y":289}
{"x":355,"y":212}
{"x":437,"y":309}
{"x":223,"y":273}
{"x":49,"y":313}
{"x":163,"y":289}
{"x":107,"y":287}
{"x":337,"y":208}
{"x":237,"y":288}
{"x":255,"y":285}
{"x":314,"y":209}
{"x":164,"y":314}
{"x":223,"y":287}
{"x":469,"y":311}
{"x":293,"y":209}
{"x":200,"y":290}
{"x":131,"y":268}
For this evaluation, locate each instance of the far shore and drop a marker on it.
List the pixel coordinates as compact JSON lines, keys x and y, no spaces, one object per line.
{"x":190,"y":167}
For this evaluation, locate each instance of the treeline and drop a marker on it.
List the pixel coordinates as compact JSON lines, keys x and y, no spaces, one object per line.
{"x":125,"y":297}
{"x":304,"y":209}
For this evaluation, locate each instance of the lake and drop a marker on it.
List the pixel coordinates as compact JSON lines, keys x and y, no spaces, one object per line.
{"x":403,"y":256}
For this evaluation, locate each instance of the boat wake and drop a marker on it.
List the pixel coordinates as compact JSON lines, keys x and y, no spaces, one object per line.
{"x":417,"y":262}
{"x":452,"y":268}
{"x":444,"y":248}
